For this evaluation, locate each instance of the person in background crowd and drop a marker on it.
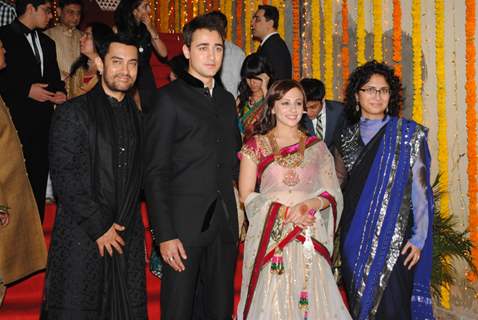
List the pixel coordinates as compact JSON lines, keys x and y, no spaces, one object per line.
{"x":287,"y":270}
{"x":325,"y":118}
{"x":96,"y":264}
{"x":386,"y":228}
{"x":83,"y":73}
{"x":22,"y":246}
{"x":255,"y":81}
{"x":264,"y":26}
{"x":67,"y":36}
{"x":233,"y":59}
{"x":132,"y":17}
{"x":7,"y":13}
{"x":191,"y":138}
{"x":30,"y":86}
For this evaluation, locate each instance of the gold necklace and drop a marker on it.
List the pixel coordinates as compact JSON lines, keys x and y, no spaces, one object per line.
{"x":291,"y":160}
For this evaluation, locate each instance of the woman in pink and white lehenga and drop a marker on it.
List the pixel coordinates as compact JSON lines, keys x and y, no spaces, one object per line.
{"x":292,"y":219}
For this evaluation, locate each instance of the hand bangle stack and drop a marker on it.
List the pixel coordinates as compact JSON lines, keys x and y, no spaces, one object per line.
{"x":156,"y":37}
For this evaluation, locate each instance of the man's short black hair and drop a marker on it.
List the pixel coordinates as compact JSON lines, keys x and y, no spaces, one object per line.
{"x":119,"y":37}
{"x":63,"y":3}
{"x":271,"y":13}
{"x":21,"y":5}
{"x":220,"y":16}
{"x":202,"y":22}
{"x":314,"y":89}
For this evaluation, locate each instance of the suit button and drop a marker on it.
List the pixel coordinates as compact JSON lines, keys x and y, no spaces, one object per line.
{"x":218,"y":140}
{"x":218,"y":165}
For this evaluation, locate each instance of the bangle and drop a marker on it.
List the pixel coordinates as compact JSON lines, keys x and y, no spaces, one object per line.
{"x":321,"y":203}
{"x":155,"y":37}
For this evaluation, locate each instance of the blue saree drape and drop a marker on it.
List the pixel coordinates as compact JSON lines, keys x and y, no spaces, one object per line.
{"x":376,"y":219}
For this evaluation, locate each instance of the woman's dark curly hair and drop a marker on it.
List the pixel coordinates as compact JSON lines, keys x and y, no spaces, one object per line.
{"x":125,"y":21}
{"x":276,"y":92}
{"x":360,"y":76}
{"x":253,"y":65}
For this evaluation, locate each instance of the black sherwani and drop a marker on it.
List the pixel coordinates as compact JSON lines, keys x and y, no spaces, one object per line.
{"x":278,"y":56}
{"x":31,"y":118}
{"x":191,"y":140}
{"x":95,"y":155}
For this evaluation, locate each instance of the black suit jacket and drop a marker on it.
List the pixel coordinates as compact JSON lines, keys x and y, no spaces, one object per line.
{"x":31,"y":118}
{"x":191,"y":141}
{"x":335,"y":120}
{"x":278,"y":56}
{"x":22,"y":71}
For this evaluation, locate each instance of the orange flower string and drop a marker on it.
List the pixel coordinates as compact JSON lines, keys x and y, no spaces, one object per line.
{"x":471,"y":126}
{"x":397,"y":37}
{"x":345,"y":43}
{"x":329,"y":47}
{"x":239,"y":23}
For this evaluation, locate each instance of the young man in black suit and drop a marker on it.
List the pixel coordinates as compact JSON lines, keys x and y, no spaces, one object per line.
{"x":264,"y":28}
{"x":191,"y":140}
{"x":325,"y":118}
{"x":31,"y":85}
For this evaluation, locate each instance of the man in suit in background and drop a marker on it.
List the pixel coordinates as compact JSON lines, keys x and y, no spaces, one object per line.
{"x":30,"y":85}
{"x":325,"y":118}
{"x":191,"y":140}
{"x":264,"y":26}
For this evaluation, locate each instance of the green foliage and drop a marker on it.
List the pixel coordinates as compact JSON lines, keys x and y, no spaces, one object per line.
{"x":448,"y":244}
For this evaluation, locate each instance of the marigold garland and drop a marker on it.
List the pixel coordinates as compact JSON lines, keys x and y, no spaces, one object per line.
{"x":171,"y":17}
{"x":345,"y":43}
{"x":295,"y":39}
{"x":329,"y":48}
{"x":442,"y":118}
{"x":248,"y":4}
{"x":471,"y":126}
{"x":230,"y":16}
{"x":239,"y":23}
{"x":377,"y":30}
{"x":397,"y":37}
{"x":360,"y":33}
{"x":316,"y":41}
{"x":417,"y":62}
{"x":281,"y":8}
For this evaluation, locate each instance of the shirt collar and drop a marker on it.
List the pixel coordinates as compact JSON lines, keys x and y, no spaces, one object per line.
{"x":23,"y":28}
{"x":268,"y":36}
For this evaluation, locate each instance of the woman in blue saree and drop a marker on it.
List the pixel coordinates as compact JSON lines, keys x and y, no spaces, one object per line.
{"x":386,"y":228}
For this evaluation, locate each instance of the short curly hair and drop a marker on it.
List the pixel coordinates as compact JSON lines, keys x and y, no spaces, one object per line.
{"x":360,"y":76}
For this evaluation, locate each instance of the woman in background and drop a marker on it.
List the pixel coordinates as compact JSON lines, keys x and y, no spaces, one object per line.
{"x":255,"y":81}
{"x":83,"y":73}
{"x":132,"y":17}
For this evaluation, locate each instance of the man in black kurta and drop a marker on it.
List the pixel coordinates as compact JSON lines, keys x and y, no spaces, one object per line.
{"x":191,"y":140}
{"x":96,"y":260}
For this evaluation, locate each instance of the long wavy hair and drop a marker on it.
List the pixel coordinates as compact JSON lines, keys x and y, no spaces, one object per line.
{"x":360,"y":76}
{"x":276,"y":92}
{"x":100,"y":33}
{"x":126,"y":23}
{"x":253,"y":65}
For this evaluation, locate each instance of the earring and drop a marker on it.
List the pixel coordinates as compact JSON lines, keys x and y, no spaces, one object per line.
{"x":386,"y":110}
{"x":357,"y":107}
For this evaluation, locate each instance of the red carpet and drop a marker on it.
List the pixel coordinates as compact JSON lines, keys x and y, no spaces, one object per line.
{"x":23,"y":299}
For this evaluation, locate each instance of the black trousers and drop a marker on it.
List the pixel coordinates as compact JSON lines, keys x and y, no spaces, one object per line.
{"x":209,"y":277}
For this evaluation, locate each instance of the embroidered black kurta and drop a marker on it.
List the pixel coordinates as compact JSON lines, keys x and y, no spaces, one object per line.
{"x":96,"y":171}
